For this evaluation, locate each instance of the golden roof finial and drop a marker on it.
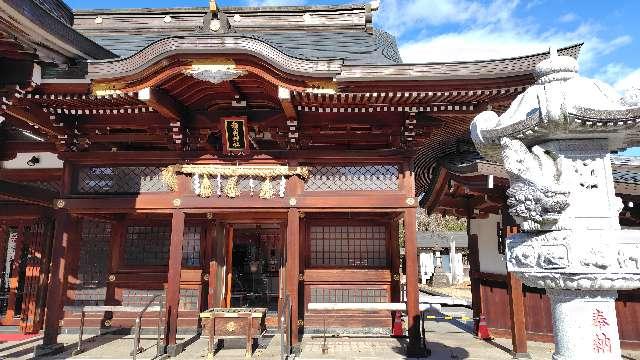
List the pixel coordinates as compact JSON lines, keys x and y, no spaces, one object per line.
{"x":213,"y":6}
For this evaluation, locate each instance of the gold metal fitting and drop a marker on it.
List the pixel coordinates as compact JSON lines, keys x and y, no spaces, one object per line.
{"x":301,"y":277}
{"x":293,"y":201}
{"x":300,"y":322}
{"x":60,"y":204}
{"x":411,"y":201}
{"x":396,"y":277}
{"x":112,"y":278}
{"x":177,"y":202}
{"x":206,"y":277}
{"x":107,"y":323}
{"x":209,"y":215}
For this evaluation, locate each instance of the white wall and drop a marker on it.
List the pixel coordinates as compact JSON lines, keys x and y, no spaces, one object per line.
{"x":47,"y":161}
{"x":490,"y":260}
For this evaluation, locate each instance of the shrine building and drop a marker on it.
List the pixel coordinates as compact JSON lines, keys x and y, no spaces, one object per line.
{"x":233,"y":157}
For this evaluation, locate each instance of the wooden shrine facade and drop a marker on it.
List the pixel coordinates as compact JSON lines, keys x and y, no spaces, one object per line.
{"x":166,"y":143}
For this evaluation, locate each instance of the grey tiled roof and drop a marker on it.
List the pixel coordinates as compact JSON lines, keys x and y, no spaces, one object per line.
{"x":354,"y":47}
{"x":626,"y":176}
{"x":307,"y":32}
{"x":55,"y":18}
{"x":625,"y":169}
{"x":430,"y":239}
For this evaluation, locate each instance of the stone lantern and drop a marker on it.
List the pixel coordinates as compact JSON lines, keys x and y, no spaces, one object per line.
{"x":555,"y":142}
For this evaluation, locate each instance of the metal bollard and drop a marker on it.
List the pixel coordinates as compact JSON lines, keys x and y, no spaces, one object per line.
{"x":79,"y":350}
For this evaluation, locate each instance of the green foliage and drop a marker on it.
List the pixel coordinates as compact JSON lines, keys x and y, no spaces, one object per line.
{"x":439,"y":223}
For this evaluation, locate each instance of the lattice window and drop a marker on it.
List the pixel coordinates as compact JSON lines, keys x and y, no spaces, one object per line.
{"x":188,"y":299}
{"x":54,"y":186}
{"x":136,"y":297}
{"x":348,"y":295}
{"x":93,"y":265}
{"x":348,"y":246}
{"x":147,"y":245}
{"x":123,"y":180}
{"x":191,"y":246}
{"x":353,"y":178}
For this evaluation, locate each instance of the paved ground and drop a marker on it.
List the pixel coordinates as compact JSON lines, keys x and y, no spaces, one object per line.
{"x":447,"y":340}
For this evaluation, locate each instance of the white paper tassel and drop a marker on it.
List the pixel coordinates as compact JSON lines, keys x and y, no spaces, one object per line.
{"x":282,"y":186}
{"x":196,"y":184}
{"x":251,"y":185}
{"x":219,"y":191}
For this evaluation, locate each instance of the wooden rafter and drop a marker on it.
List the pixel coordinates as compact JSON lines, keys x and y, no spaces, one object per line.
{"x":27,"y":194}
{"x":292,"y":117}
{"x":37,"y":118}
{"x":169,"y":108}
{"x":163,"y":103}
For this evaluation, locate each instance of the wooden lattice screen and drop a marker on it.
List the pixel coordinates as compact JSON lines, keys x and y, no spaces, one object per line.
{"x":348,"y":295}
{"x":353,"y":178}
{"x":191,"y":246}
{"x":120,"y":180}
{"x":37,"y":249}
{"x":147,"y":245}
{"x":93,"y":265}
{"x":348,"y":246}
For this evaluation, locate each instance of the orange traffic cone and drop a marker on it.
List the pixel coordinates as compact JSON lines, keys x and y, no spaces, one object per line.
{"x":482,"y":331}
{"x":396,"y":328}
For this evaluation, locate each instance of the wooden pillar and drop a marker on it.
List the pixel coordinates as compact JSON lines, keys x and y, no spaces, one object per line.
{"x":516,"y":297}
{"x":118,"y":232}
{"x":220,"y":273}
{"x":55,"y":296}
{"x":516,"y":310}
{"x":173,"y":281}
{"x":293,"y":268}
{"x":474,"y":267}
{"x":413,"y":301}
{"x":72,"y":259}
{"x":228,"y":256}
{"x":212,"y":263}
{"x":394,"y":255}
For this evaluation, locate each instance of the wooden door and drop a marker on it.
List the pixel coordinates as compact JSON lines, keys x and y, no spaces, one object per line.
{"x":12,"y":248}
{"x":37,"y":246}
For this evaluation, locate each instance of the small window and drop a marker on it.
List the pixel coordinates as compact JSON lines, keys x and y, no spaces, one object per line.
{"x":147,"y":245}
{"x":348,"y":246}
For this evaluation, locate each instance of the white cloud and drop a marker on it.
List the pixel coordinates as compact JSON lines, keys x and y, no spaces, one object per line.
{"x":568,"y":17}
{"x":401,"y":16}
{"x":481,"y":31}
{"x":630,"y":80}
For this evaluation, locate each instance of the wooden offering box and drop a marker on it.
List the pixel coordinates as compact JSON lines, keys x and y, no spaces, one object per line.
{"x":233,"y":323}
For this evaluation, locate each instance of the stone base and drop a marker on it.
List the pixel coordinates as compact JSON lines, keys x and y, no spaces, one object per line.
{"x":174,"y":350}
{"x":521,"y":355}
{"x":48,"y":350}
{"x":440,"y":279}
{"x":418,"y":351}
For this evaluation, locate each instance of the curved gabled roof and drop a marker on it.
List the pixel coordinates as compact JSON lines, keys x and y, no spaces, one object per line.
{"x":306,"y":32}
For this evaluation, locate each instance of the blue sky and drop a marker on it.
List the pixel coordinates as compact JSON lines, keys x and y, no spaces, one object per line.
{"x":446,"y":30}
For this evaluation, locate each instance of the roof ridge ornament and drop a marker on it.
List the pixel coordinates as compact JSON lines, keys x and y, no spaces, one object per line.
{"x":215,"y":20}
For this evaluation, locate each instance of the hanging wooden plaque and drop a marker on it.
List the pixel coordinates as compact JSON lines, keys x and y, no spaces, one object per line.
{"x":236,"y":136}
